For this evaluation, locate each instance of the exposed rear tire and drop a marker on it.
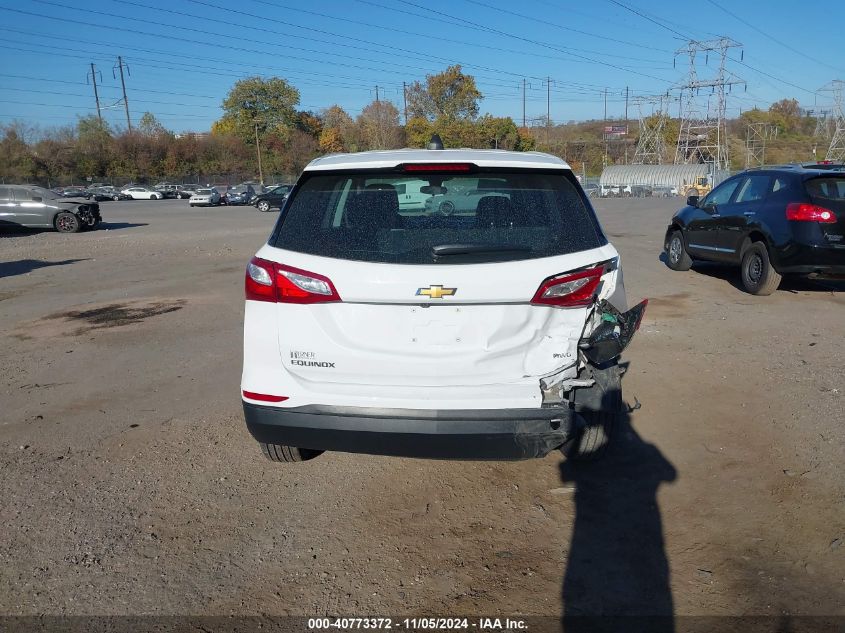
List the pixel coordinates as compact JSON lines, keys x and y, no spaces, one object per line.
{"x":280,"y":453}
{"x":600,"y":410}
{"x":759,"y":277}
{"x":593,"y":439}
{"x":67,"y":223}
{"x":677,"y":257}
{"x":692,"y":192}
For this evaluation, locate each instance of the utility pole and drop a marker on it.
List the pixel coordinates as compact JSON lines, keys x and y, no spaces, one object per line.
{"x":605,"y":126}
{"x":523,"y":102}
{"x":120,"y":65}
{"x":376,"y":94}
{"x":96,"y":96}
{"x":258,"y":151}
{"x":626,"y":106}
{"x":549,"y":81}
{"x":405,"y":101}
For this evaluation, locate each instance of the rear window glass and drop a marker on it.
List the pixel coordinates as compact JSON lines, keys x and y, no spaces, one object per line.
{"x":451,"y":219}
{"x":831,"y":188}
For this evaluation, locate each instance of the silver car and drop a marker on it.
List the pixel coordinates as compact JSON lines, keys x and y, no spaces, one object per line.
{"x":36,"y":207}
{"x":204,"y":198}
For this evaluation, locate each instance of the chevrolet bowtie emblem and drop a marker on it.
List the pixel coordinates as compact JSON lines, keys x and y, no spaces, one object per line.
{"x":436,"y":292}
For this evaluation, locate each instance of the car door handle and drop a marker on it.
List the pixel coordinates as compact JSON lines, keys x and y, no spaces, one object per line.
{"x":748,"y":213}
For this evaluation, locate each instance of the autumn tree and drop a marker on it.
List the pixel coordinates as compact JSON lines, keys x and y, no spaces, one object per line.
{"x":265,"y":104}
{"x":448,"y":95}
{"x":338,"y":133}
{"x":379,"y":126}
{"x":786,"y":114}
{"x":17,"y":164}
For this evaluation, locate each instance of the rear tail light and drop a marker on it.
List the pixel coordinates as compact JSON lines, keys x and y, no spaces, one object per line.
{"x":803,"y":212}
{"x":278,"y":283}
{"x":574,"y":290}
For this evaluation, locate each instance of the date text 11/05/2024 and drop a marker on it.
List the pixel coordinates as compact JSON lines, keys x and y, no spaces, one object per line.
{"x":415,"y":624}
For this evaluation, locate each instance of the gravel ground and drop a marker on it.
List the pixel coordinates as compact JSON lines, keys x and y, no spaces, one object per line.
{"x":131,"y":486}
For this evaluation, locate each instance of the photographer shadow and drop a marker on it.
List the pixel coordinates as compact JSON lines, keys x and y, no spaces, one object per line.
{"x":617,"y":574}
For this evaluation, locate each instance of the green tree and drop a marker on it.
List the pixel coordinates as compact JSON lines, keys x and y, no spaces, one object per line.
{"x":270,"y":104}
{"x":150,"y":126}
{"x":450,"y":95}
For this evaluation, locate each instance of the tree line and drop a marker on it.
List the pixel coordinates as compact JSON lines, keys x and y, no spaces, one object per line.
{"x":261,"y":118}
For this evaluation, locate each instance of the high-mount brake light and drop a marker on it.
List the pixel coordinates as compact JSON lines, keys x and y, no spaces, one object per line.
{"x":426,"y":167}
{"x":803,"y":212}
{"x":574,"y":290}
{"x":278,"y":283}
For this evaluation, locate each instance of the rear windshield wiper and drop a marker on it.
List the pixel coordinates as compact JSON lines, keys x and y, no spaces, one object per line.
{"x":444,"y":250}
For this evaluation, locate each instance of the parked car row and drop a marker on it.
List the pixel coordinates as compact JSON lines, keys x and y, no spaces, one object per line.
{"x":634,"y":191}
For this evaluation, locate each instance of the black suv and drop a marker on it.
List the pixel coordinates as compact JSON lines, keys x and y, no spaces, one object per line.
{"x":272,"y":199}
{"x":771,"y":221}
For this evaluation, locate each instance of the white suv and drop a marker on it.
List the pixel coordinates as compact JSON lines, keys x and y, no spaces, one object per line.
{"x":486,"y":333}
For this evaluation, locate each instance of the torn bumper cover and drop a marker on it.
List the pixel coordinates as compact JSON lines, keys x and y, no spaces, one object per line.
{"x":430,"y":433}
{"x":613,"y":333}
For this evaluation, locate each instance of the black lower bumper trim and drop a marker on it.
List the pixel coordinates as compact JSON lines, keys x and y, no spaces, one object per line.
{"x":438,"y":434}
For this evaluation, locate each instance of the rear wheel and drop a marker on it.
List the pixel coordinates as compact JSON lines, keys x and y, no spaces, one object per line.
{"x":447,"y":207}
{"x":758,"y":275}
{"x":264,"y":206}
{"x":67,"y":223}
{"x":281,"y":453}
{"x":593,"y":439}
{"x":692,"y":192}
{"x":676,"y":253}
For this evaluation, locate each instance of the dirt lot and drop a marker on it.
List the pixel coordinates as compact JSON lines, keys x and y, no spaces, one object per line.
{"x":130,"y":484}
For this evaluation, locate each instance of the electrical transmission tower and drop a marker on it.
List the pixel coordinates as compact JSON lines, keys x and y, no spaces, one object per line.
{"x":756,"y":136}
{"x":653,"y":113}
{"x":836,"y":151}
{"x":703,"y":133}
{"x":824,"y":129}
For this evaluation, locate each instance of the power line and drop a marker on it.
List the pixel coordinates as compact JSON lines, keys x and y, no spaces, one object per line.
{"x":480,"y":27}
{"x":771,"y":37}
{"x":567,"y":28}
{"x":431,"y":36}
{"x":647,"y":17}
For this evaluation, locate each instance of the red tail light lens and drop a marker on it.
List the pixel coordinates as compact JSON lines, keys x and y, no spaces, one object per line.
{"x":570,"y":291}
{"x":264,"y":397}
{"x":803,"y":212}
{"x":278,"y":283}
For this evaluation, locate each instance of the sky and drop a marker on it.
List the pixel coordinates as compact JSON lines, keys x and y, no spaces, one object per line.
{"x":566,"y":57}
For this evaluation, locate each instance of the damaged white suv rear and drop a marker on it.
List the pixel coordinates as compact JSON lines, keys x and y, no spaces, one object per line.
{"x":482,"y":319}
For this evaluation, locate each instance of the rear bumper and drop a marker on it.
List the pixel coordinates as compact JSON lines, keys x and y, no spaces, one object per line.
{"x":808,"y":258}
{"x":438,"y":434}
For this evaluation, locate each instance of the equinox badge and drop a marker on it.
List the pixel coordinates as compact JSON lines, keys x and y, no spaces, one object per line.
{"x":436,"y":292}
